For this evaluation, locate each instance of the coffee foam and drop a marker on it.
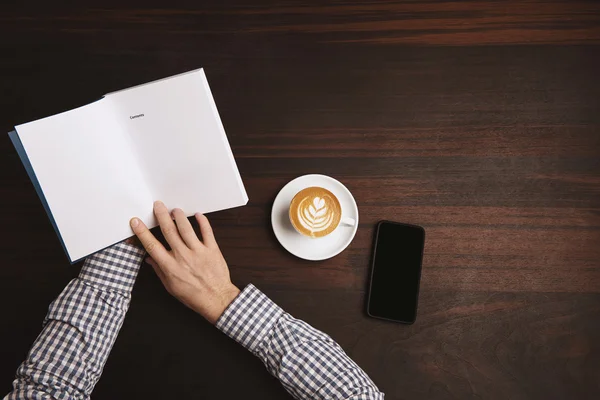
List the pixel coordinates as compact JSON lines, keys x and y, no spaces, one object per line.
{"x":315,"y":212}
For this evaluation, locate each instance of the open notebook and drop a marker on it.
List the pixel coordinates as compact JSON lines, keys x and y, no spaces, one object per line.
{"x":97,"y":166}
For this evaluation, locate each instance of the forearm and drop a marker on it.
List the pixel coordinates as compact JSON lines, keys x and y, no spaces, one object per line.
{"x":81,"y":326}
{"x":309,"y":364}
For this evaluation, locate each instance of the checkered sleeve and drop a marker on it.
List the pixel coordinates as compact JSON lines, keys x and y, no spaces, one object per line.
{"x":309,"y":364}
{"x":81,"y":326}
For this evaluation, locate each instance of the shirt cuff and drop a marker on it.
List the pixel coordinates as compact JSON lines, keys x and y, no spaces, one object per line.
{"x":249,"y":318}
{"x":115,"y":267}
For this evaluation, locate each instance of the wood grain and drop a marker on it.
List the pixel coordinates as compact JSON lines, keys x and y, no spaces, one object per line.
{"x":478,"y":120}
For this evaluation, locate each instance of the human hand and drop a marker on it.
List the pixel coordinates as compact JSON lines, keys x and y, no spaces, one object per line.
{"x":194,"y":271}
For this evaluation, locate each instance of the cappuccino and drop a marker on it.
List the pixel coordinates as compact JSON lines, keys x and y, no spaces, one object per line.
{"x":315,"y":212}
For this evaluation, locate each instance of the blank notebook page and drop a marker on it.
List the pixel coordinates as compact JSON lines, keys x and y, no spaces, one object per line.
{"x":180,"y":143}
{"x":91,"y":182}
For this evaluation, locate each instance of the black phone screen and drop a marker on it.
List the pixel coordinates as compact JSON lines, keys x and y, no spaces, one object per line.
{"x":396,"y":271}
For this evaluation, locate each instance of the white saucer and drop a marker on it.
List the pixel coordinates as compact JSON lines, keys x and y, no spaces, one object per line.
{"x":305,"y":247}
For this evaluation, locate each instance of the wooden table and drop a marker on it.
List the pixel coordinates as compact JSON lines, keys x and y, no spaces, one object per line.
{"x":478,"y":120}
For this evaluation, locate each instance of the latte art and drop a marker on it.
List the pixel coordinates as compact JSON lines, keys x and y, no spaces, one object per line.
{"x":315,"y":217}
{"x":315,"y":212}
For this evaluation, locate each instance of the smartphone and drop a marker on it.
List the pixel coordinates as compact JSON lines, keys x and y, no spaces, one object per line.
{"x":396,"y":272}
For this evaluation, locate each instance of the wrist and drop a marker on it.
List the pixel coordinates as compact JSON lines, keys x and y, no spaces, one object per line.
{"x":222,"y":299}
{"x":250,"y":318}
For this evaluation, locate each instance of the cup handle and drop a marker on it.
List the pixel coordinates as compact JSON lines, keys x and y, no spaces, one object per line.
{"x":348,"y":221}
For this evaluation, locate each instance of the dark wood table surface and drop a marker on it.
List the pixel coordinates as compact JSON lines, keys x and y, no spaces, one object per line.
{"x":478,"y":120}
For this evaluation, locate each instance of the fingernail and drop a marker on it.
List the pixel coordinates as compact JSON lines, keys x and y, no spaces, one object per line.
{"x":158,"y":203}
{"x":134,"y":222}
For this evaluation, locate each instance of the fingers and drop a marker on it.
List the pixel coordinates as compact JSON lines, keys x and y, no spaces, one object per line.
{"x":208,"y":236}
{"x":167,"y":226}
{"x":185,"y":229}
{"x":152,"y":246}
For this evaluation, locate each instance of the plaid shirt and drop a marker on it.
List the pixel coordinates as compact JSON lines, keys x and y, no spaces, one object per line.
{"x":67,"y":358}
